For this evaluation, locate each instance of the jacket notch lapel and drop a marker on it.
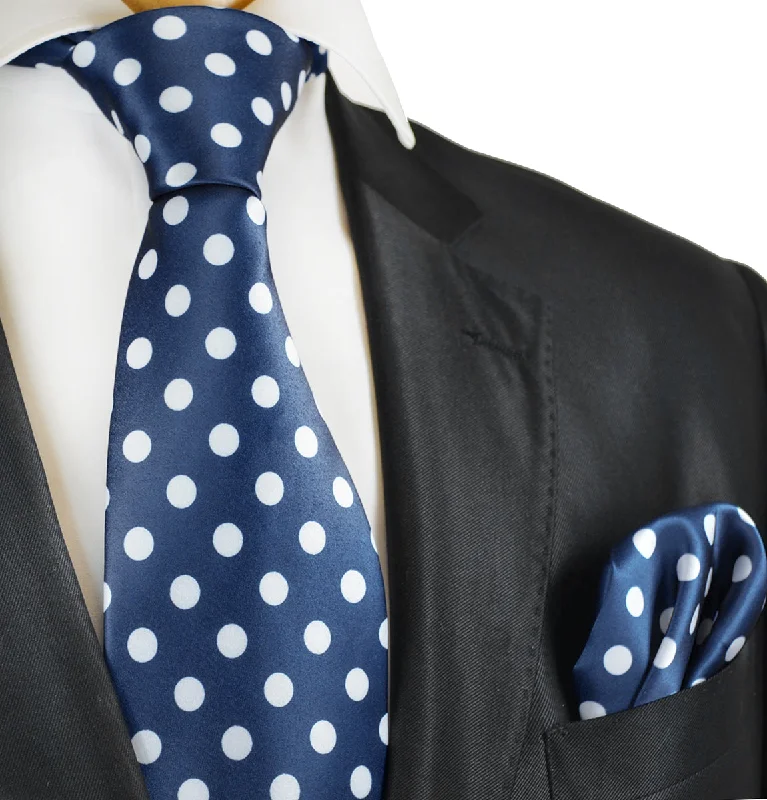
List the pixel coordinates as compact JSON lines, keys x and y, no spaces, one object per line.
{"x":463,"y":374}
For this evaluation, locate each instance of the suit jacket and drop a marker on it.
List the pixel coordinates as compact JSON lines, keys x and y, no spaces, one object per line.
{"x":551,"y":374}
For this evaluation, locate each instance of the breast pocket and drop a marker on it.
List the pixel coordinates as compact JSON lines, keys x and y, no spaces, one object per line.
{"x":703,"y":743}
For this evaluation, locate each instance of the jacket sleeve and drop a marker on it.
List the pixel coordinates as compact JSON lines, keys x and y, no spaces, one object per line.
{"x":757,"y":286}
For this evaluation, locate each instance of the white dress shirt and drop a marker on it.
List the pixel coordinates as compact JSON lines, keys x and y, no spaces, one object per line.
{"x":73,"y":208}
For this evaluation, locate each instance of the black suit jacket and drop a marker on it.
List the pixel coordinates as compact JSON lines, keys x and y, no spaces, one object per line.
{"x":551,"y":374}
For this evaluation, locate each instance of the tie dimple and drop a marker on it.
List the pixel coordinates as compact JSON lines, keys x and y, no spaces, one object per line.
{"x":245,"y":619}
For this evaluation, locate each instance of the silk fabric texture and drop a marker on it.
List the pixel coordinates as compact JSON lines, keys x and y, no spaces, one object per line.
{"x":678,"y":600}
{"x":245,"y":622}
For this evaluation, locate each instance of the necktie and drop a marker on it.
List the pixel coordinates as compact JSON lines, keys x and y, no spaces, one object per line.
{"x":245,"y":622}
{"x":678,"y":600}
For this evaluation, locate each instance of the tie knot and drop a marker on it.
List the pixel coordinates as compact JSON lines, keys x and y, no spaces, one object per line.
{"x":200,"y":92}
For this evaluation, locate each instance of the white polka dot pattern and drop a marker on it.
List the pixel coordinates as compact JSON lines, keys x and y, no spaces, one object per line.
{"x":680,"y":597}
{"x":243,"y":596}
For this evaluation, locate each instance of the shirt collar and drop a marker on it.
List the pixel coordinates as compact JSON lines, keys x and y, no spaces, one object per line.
{"x":339,"y":25}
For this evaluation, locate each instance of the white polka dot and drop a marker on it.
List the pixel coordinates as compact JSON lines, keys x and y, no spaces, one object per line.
{"x":231,"y":641}
{"x":143,"y":147}
{"x":147,"y":265}
{"x":185,"y":592}
{"x":107,"y":597}
{"x":278,"y":689}
{"x":645,"y":541}
{"x":357,"y":684}
{"x":177,"y":300}
{"x":742,"y":569}
{"x":117,"y":123}
{"x":127,"y":71}
{"x":322,"y":737}
{"x":312,"y":537}
{"x":292,"y":36}
{"x":343,"y":492}
{"x":709,"y":526}
{"x":84,"y":53}
{"x":181,"y":491}
{"x":107,"y":497}
{"x":220,"y":343}
{"x":322,"y":50}
{"x":708,"y":581}
{"x":259,"y":176}
{"x":306,"y":442}
{"x":256,"y":210}
{"x":193,"y":789}
{"x":224,"y":439}
{"x":688,"y":567}
{"x":589,"y":709}
{"x":265,"y":391}
{"x":263,"y":110}
{"x":178,"y":394}
{"x":665,"y":619}
{"x":147,"y":746}
{"x":180,"y":174}
{"x":269,"y":488}
{"x":353,"y":586}
{"x":260,"y":298}
{"x":273,"y":588}
{"x":142,"y":645}
{"x":227,"y":539}
{"x":704,"y":629}
{"x":189,"y":694}
{"x":694,"y":620}
{"x":301,"y":82}
{"x":287,"y":95}
{"x":225,"y":134}
{"x":735,"y":648}
{"x":176,"y":99}
{"x":383,"y":729}
{"x":361,"y":782}
{"x":218,"y":249}
{"x":138,"y":544}
{"x":169,"y":27}
{"x":617,"y":660}
{"x":698,"y":681}
{"x":284,"y":787}
{"x":665,"y":654}
{"x":292,"y":352}
{"x":139,"y":353}
{"x":259,"y":41}
{"x":635,"y":601}
{"x":745,"y":517}
{"x":236,"y":743}
{"x":220,"y":64}
{"x":175,"y":211}
{"x":136,"y":446}
{"x":383,"y":634}
{"x":317,"y":637}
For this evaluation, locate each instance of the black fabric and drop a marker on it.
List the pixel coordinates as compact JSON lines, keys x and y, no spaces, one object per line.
{"x":550,"y":374}
{"x":62,"y":733}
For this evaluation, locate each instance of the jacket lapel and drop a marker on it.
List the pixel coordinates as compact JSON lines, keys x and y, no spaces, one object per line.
{"x":463,"y":379}
{"x":63,"y":732}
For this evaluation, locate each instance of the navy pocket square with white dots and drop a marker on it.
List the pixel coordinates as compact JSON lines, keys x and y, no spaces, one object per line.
{"x":677,"y":601}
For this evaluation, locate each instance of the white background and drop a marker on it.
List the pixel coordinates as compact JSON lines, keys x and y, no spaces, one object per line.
{"x":659,"y":108}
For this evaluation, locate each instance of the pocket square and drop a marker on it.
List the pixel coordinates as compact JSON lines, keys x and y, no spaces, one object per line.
{"x":677,"y":602}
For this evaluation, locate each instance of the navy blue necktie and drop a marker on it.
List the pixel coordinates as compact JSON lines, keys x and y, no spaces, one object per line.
{"x":245,"y":622}
{"x":677,"y":602}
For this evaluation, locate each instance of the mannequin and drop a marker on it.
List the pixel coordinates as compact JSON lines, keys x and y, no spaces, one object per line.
{"x":146,"y":5}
